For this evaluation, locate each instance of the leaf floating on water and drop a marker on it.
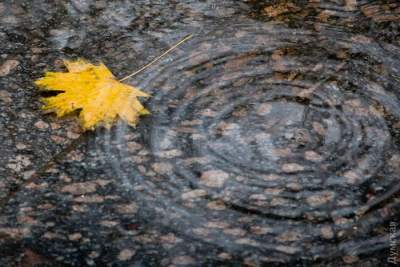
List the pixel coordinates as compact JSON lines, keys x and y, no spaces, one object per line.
{"x":94,"y":91}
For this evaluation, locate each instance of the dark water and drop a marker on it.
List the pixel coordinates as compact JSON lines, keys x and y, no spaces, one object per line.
{"x":274,"y":137}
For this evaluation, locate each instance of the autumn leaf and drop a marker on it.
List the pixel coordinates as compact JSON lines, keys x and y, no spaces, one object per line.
{"x":94,"y":91}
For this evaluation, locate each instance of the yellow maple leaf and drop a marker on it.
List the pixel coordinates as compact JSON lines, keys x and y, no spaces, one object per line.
{"x":94,"y":91}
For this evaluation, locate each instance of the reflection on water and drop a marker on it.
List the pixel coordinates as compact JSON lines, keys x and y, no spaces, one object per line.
{"x":274,"y":134}
{"x":269,"y":141}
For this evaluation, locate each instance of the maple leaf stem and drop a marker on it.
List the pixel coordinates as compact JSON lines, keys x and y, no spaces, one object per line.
{"x":157,"y":58}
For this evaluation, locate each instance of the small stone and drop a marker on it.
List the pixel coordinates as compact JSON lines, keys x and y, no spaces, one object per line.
{"x":36,"y":50}
{"x":188,"y":130}
{"x":351,"y":5}
{"x":224,"y":256}
{"x":287,"y":249}
{"x":259,"y":197}
{"x":75,"y":156}
{"x":165,"y":142}
{"x":172,"y":153}
{"x":289,"y":236}
{"x":41,"y":125}
{"x":191,"y":123}
{"x":72,"y":135}
{"x":352,"y":177}
{"x":201,"y":231}
{"x":162,"y":168}
{"x":216,"y":205}
{"x":326,"y":232}
{"x":246,"y":241}
{"x":218,"y":225}
{"x":108,"y":223}
{"x":14,"y":233}
{"x":50,"y":224}
{"x":5,"y":96}
{"x":126,"y":254}
{"x":208,"y":113}
{"x":8,"y":66}
{"x":89,"y":199}
{"x":312,"y":156}
{"x":50,"y":235}
{"x":294,"y":187}
{"x":278,"y":9}
{"x":319,"y":128}
{"x":183,"y":260}
{"x":194,"y":194}
{"x":342,"y":221}
{"x":264,"y":109}
{"x":261,"y":230}
{"x":55,"y":126}
{"x":93,"y":254}
{"x":362,"y":39}
{"x":28,"y":174}
{"x":35,"y":186}
{"x":270,"y":177}
{"x":349,"y":259}
{"x":57,"y":139}
{"x":133,"y":146}
{"x":19,"y":163}
{"x":273,"y":191}
{"x":21,"y":146}
{"x":46,"y":206}
{"x":280,"y":152}
{"x":74,"y":237}
{"x":85,"y":187}
{"x":127,"y":208}
{"x":199,"y":160}
{"x":320,"y":199}
{"x":79,"y":208}
{"x":65,"y":178}
{"x":325,"y":15}
{"x":79,"y":188}
{"x":235,"y":231}
{"x":214,"y":178}
{"x":277,"y":55}
{"x":169,"y":238}
{"x":394,"y":161}
{"x":292,"y":167}
{"x":27,"y":220}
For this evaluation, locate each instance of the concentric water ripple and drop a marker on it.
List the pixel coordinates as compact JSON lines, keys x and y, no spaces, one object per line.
{"x":272,"y":144}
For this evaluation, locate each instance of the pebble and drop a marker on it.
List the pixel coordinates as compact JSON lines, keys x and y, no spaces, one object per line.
{"x":41,"y":125}
{"x":80,"y":188}
{"x":214,"y":178}
{"x":183,"y":260}
{"x":320,"y":198}
{"x":162,"y":167}
{"x":126,"y":254}
{"x":75,"y":236}
{"x":292,"y":167}
{"x":5,"y":96}
{"x":326,"y":232}
{"x":8,"y":66}
{"x":194,"y":194}
{"x":127,"y":208}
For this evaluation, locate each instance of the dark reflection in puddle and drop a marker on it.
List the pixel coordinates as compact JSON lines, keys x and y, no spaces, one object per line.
{"x":274,"y":137}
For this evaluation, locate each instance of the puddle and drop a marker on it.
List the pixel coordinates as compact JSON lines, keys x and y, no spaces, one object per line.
{"x":279,"y":137}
